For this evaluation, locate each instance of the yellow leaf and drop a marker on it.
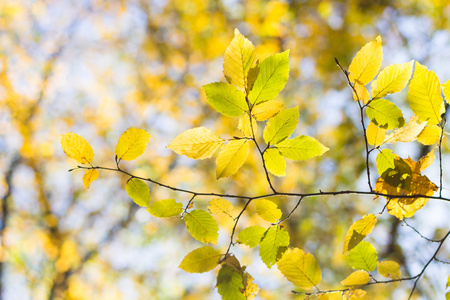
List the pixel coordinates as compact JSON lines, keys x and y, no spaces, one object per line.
{"x":358,"y":231}
{"x":407,"y":133}
{"x":239,"y":58}
{"x":267,"y":110}
{"x":77,"y":148}
{"x":424,"y":95}
{"x":389,"y":269}
{"x":367,"y":62}
{"x":430,"y":135}
{"x":250,"y":289}
{"x":232,"y":157}
{"x":89,"y":176}
{"x":196,"y":143}
{"x":446,"y":90}
{"x":392,"y":79}
{"x":267,"y":210}
{"x":357,"y":278}
{"x":246,"y":128}
{"x":362,"y":94}
{"x":375,"y":134}
{"x":221,"y":206}
{"x":300,"y":268}
{"x":132,"y":143}
{"x":426,"y":161}
{"x":201,"y":260}
{"x":274,"y":162}
{"x":357,"y":294}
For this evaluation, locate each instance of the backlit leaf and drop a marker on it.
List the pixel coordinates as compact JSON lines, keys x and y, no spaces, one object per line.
{"x":363,"y":257}
{"x":221,"y":206}
{"x":250,"y":289}
{"x":239,"y":58}
{"x":446,"y":90}
{"x":229,"y":283}
{"x":424,"y":95}
{"x":362,"y":94}
{"x":246,"y":128}
{"x":251,"y":236}
{"x":89,"y":176}
{"x":273,"y":75}
{"x":202,"y":226}
{"x":385,"y":114}
{"x":281,"y":126}
{"x":375,"y":134}
{"x":267,"y":210}
{"x":226,"y":99}
{"x":201,"y":260}
{"x":274,"y":162}
{"x":407,"y":133}
{"x":232,"y":157}
{"x":358,"y":231}
{"x":267,"y":110}
{"x":389,"y":269}
{"x":355,"y":294}
{"x":77,"y":148}
{"x":355,"y":279}
{"x":300,"y":268}
{"x":132,"y":143}
{"x":391,"y":79}
{"x":426,"y":161}
{"x":301,"y":148}
{"x":165,"y":208}
{"x":196,"y":143}
{"x":252,"y":75}
{"x":138,"y":191}
{"x":271,"y":247}
{"x":430,"y":135}
{"x":367,"y":62}
{"x":385,"y":161}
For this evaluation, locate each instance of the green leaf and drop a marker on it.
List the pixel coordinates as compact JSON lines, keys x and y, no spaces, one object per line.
{"x":201,"y":260}
{"x":385,"y":114}
{"x":229,"y":284}
{"x":391,"y":79}
{"x":138,"y":191}
{"x":267,"y":210}
{"x":232,"y":157}
{"x":273,"y":75}
{"x":424,"y":95}
{"x":251,"y":236}
{"x":273,"y":244}
{"x":363,"y":257}
{"x":300,"y":268}
{"x":358,"y":231}
{"x":165,"y":208}
{"x":132,"y":143}
{"x":202,"y":226}
{"x":226,"y":99}
{"x":385,"y":161}
{"x":301,"y":148}
{"x":281,"y":126}
{"x":239,"y":58}
{"x":274,"y":162}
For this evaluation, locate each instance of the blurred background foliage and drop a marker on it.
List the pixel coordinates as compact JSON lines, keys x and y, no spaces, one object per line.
{"x":97,"y":67}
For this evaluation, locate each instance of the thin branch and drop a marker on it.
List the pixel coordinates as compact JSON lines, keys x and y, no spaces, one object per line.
{"x":440,"y":155}
{"x":424,"y":237}
{"x":292,"y":211}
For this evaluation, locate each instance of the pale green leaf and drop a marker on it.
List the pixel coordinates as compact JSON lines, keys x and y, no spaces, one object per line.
{"x":230,"y":283}
{"x":281,"y":126}
{"x":251,"y":236}
{"x":424,"y":95}
{"x":389,"y":269}
{"x":272,"y":245}
{"x":367,"y":62}
{"x":201,"y":260}
{"x":273,"y":75}
{"x":363,"y":257}
{"x":165,"y":208}
{"x":301,"y":148}
{"x":138,"y":191}
{"x":202,"y":226}
{"x":385,"y":161}
{"x":239,"y":58}
{"x":232,"y":157}
{"x":196,"y":143}
{"x":391,"y":79}
{"x":77,"y":147}
{"x":274,"y":162}
{"x":226,"y":99}
{"x":355,"y":279}
{"x":385,"y":114}
{"x":300,"y":268}
{"x":132,"y":143}
{"x":358,"y":231}
{"x":89,"y":176}
{"x":267,"y":210}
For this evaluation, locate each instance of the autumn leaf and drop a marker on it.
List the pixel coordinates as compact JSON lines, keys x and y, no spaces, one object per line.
{"x":389,"y":269}
{"x":132,"y":143}
{"x":385,"y":114}
{"x":281,"y":126}
{"x":230,"y":283}
{"x":391,"y":79}
{"x":358,"y":231}
{"x":407,"y":133}
{"x":251,"y":236}
{"x":267,"y":210}
{"x":138,"y":192}
{"x":221,"y":206}
{"x":89,"y":176}
{"x":202,"y":226}
{"x":165,"y":208}
{"x":247,"y":128}
{"x":375,"y":134}
{"x":273,"y":244}
{"x":226,"y":99}
{"x":300,"y":268}
{"x":267,"y":110}
{"x":367,"y":62}
{"x":363,"y":257}
{"x":360,"y":93}
{"x":274,"y":162}
{"x":302,"y":147}
{"x":77,"y":147}
{"x":232,"y":157}
{"x":430,"y":135}
{"x":355,"y":279}
{"x":201,"y":260}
